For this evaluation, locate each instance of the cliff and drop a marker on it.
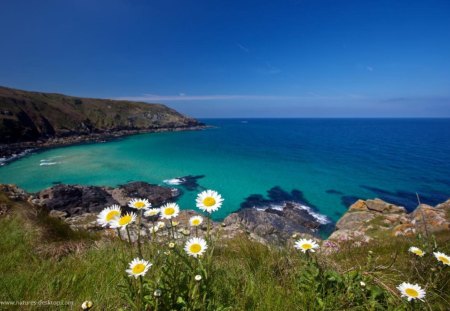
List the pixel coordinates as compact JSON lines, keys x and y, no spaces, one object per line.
{"x":33,"y":116}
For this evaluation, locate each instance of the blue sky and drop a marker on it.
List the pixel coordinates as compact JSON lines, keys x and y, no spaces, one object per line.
{"x":209,"y":58}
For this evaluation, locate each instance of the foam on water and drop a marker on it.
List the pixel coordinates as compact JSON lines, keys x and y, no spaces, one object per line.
{"x":48,"y":163}
{"x":322,"y":219}
{"x":174,"y":181}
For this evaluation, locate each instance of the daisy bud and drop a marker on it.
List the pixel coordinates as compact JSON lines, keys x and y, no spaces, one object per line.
{"x":198,"y":277}
{"x":157,"y":293}
{"x":87,"y":305}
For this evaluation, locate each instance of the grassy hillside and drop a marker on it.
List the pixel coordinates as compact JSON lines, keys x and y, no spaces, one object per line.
{"x":28,"y":116}
{"x":41,"y":258}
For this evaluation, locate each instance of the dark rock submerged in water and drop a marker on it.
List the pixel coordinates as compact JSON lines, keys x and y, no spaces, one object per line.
{"x":273,"y":225}
{"x":77,"y":199}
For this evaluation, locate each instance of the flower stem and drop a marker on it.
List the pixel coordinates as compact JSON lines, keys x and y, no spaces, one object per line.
{"x":153,"y":231}
{"x":141,"y":292}
{"x":118,"y":234}
{"x":208,"y":227}
{"x":139,"y":234}
{"x":172,"y":229}
{"x":128,"y":233}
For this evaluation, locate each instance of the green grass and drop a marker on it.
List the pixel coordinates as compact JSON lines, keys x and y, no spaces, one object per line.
{"x":41,"y":258}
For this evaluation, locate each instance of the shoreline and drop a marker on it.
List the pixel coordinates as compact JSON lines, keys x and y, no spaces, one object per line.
{"x":14,"y":151}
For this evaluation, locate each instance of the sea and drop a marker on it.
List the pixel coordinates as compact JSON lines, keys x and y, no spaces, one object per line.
{"x":324,"y":165}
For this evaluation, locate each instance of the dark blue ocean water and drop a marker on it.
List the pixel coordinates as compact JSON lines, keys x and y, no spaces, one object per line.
{"x":323,"y":163}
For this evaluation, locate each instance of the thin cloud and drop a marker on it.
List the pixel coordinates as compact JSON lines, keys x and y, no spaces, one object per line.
{"x":243,"y":48}
{"x":151,"y":97}
{"x":272,"y":70}
{"x":223,"y":97}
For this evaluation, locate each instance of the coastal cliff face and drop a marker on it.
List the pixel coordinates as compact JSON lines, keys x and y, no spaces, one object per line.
{"x":32,"y":116}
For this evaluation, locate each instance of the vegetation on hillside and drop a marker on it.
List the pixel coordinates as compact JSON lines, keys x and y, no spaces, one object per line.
{"x":28,"y":116}
{"x":43,"y":259}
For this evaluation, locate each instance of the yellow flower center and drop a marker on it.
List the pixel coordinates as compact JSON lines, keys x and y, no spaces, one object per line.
{"x":209,"y":201}
{"x":196,"y":222}
{"x":139,"y":204}
{"x":111,"y":215}
{"x":444,"y":260}
{"x":195,"y":248}
{"x":411,"y":292}
{"x":138,"y":268}
{"x":169,"y":211}
{"x":418,"y":252}
{"x":125,"y":220}
{"x":306,"y":246}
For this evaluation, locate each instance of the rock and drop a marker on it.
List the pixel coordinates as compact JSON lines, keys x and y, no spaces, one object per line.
{"x":155,"y":194}
{"x":376,"y":205}
{"x":370,"y":219}
{"x":274,"y":226}
{"x":86,"y":221}
{"x":431,"y":219}
{"x":14,"y":193}
{"x":58,"y":214}
{"x":344,"y":235}
{"x":353,"y":220}
{"x":77,"y":200}
{"x":364,"y":221}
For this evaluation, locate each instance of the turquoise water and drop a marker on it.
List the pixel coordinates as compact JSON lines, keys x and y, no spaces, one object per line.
{"x":325,"y":164}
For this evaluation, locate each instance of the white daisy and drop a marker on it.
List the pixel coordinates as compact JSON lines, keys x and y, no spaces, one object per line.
{"x":198,"y":277}
{"x":445,"y":259}
{"x":195,"y":247}
{"x":416,"y":251}
{"x":124,"y":221}
{"x":138,"y":267}
{"x":411,"y":291}
{"x":209,"y":201}
{"x":108,"y":214}
{"x":151,"y":212}
{"x":195,"y":221}
{"x":306,"y":245}
{"x":160,"y":224}
{"x":170,"y":210}
{"x":139,"y":204}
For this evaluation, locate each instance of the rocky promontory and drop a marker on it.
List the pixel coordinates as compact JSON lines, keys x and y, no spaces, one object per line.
{"x":31,"y":120}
